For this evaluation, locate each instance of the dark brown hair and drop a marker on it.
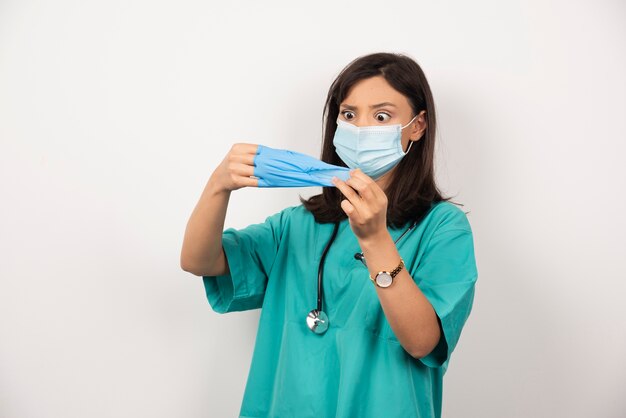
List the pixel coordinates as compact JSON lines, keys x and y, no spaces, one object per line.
{"x":411,"y":191}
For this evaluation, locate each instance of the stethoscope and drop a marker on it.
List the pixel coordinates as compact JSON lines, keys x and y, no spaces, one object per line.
{"x":317,"y":320}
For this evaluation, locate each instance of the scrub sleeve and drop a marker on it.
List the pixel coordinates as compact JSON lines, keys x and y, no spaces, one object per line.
{"x":250,"y":253}
{"x":446,"y":275}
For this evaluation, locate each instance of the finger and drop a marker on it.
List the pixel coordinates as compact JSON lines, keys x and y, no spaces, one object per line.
{"x":244,"y":148}
{"x":370,"y":203}
{"x":364,"y":189}
{"x":247,"y":159}
{"x":357,"y":172}
{"x":242,"y":169}
{"x":246,"y":181}
{"x":350,"y":194}
{"x":377,"y":191}
{"x":349,"y":209}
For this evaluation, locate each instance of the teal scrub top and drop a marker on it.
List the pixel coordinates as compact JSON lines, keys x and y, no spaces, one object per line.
{"x":358,"y":367}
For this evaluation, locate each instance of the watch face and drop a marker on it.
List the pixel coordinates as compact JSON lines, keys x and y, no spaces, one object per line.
{"x":384,"y":279}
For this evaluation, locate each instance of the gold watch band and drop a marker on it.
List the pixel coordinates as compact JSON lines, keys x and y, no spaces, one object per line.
{"x":397,"y":270}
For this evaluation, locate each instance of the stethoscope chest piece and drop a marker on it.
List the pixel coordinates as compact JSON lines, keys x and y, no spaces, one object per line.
{"x":317,"y":321}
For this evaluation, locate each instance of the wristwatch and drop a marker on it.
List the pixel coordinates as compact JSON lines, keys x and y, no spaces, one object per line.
{"x":385,"y":278}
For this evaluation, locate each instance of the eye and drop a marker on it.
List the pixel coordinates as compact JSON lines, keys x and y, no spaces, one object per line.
{"x":379,"y":116}
{"x":345,"y":112}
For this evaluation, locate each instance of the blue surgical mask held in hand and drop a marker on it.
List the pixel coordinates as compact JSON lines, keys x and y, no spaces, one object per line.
{"x":374,"y":149}
{"x":282,"y":168}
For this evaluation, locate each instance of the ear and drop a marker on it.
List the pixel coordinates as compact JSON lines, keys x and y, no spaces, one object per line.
{"x":419,"y":127}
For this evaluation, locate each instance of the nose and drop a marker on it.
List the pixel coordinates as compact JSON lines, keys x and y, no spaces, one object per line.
{"x":360,"y":121}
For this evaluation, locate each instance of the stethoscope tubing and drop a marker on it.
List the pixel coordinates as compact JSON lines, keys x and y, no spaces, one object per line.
{"x":320,"y":275}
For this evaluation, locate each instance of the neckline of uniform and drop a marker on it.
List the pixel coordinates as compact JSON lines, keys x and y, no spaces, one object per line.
{"x":394,"y":232}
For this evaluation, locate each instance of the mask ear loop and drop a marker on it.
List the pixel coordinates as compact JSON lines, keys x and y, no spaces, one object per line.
{"x":410,"y":142}
{"x":409,"y":148}
{"x":410,"y":121}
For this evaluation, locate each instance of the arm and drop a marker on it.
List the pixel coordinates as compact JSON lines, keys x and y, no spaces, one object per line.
{"x":410,"y":314}
{"x":202,"y":253}
{"x":408,"y":311}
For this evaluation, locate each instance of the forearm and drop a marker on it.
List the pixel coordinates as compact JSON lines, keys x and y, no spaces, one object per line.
{"x":408,"y":311}
{"x":202,"y":252}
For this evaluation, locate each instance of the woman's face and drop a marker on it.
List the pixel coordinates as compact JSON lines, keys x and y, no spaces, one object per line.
{"x":372,"y":101}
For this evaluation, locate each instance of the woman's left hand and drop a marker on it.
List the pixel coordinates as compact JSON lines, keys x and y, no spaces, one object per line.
{"x":365,"y":205}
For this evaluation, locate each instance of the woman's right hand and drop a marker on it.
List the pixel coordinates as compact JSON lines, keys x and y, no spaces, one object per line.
{"x":235,"y":170}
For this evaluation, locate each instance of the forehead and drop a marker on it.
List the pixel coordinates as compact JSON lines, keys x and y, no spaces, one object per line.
{"x":372,"y":91}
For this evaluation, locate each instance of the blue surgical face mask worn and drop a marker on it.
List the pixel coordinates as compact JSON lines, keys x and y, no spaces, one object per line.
{"x":283,"y":168}
{"x":374,"y":149}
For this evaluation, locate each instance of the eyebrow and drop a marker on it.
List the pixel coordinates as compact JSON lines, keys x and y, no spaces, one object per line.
{"x":372,"y":106}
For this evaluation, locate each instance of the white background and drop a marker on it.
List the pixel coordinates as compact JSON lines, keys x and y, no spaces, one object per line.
{"x":113,"y":115}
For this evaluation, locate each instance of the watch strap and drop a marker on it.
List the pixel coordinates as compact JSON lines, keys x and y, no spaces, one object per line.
{"x":392,"y":273}
{"x":398,"y":269}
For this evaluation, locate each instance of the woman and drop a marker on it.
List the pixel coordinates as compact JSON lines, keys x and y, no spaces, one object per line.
{"x":396,"y":258}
